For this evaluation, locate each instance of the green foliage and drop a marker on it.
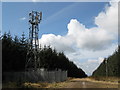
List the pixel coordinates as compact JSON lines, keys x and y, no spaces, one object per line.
{"x":14,"y":52}
{"x":112,"y":65}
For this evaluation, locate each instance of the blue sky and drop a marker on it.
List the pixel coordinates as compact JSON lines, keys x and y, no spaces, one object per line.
{"x":85,"y":31}
{"x":56,"y":16}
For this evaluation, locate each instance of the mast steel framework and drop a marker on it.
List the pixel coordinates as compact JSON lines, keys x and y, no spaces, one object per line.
{"x":33,"y":60}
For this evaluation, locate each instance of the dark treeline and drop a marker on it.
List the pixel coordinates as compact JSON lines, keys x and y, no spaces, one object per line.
{"x":14,"y":52}
{"x":112,"y":68}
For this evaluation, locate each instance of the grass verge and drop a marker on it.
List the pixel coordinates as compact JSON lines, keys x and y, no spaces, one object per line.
{"x":106,"y":79}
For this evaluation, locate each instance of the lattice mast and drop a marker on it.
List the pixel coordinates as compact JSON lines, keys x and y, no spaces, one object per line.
{"x":33,"y":60}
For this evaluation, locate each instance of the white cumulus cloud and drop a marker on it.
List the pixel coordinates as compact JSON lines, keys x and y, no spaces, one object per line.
{"x":61,"y":43}
{"x":90,"y":65}
{"x":108,"y":20}
{"x":92,"y":39}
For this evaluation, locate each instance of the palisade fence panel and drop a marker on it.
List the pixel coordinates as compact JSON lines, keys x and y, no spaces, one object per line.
{"x":35,"y":76}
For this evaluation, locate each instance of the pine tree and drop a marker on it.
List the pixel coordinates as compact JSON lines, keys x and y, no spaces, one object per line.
{"x":23,"y":40}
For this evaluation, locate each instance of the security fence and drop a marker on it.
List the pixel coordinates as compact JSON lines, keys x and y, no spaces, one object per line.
{"x":35,"y":76}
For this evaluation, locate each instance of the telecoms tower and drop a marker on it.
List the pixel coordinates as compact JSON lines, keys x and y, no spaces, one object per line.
{"x":33,"y":60}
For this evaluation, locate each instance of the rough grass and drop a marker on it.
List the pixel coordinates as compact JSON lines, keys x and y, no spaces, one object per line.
{"x":24,"y":85}
{"x":44,"y":85}
{"x":11,"y":85}
{"x":35,"y":85}
{"x":106,"y":79}
{"x":47,"y":85}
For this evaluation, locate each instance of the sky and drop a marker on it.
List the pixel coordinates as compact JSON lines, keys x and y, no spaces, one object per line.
{"x":85,"y":31}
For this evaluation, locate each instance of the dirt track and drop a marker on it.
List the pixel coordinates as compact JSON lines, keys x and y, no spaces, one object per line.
{"x":87,"y":83}
{"x":78,"y":83}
